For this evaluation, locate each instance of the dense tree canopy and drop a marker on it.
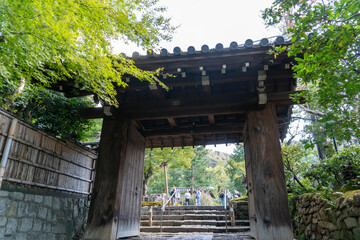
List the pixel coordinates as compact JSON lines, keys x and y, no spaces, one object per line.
{"x":195,"y":168}
{"x":53,"y":113}
{"x":236,"y":168}
{"x":156,"y":158}
{"x":44,"y":41}
{"x":325,"y":39}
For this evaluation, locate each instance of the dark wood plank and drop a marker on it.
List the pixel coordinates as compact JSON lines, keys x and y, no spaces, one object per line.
{"x":105,"y":198}
{"x":111,"y":213}
{"x":228,"y":128}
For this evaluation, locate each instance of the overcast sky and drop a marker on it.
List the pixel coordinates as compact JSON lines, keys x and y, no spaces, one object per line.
{"x":210,"y":22}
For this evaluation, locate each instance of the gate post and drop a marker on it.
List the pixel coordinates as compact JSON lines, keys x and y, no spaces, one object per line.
{"x":268,"y":202}
{"x":116,"y":198}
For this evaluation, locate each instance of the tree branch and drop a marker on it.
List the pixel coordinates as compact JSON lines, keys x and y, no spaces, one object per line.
{"x":314,"y":112}
{"x":301,"y":118}
{"x":15,"y":94}
{"x":349,"y":18}
{"x":298,"y":181}
{"x":294,"y":175}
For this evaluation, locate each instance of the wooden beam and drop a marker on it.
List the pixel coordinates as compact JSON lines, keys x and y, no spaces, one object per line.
{"x":268,"y":203}
{"x":157,"y":93}
{"x":159,"y":109}
{"x":194,"y":79}
{"x":172,"y":122}
{"x":194,"y":112}
{"x":193,"y":140}
{"x":211,"y":119}
{"x":187,"y":107}
{"x":138,"y":125}
{"x":194,"y":130}
{"x":206,"y":90}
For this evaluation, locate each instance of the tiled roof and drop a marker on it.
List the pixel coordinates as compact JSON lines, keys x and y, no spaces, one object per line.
{"x":249,"y":43}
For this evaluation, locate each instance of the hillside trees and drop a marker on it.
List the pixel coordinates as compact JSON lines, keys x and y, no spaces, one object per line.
{"x":326,"y":45}
{"x":206,"y":168}
{"x":53,"y":113}
{"x":197,"y":175}
{"x":236,"y":168}
{"x":297,"y":161}
{"x":43,"y":42}
{"x":173,"y":158}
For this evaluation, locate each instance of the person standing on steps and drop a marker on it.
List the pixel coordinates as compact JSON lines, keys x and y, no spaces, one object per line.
{"x":198,"y":195}
{"x":236,"y":193}
{"x":222,"y":197}
{"x":173,"y":199}
{"x":187,"y":197}
{"x":229,"y":195}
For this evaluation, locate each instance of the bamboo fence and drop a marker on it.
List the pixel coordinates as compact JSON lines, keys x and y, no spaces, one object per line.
{"x":38,"y":159}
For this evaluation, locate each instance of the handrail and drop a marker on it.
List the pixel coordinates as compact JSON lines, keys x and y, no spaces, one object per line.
{"x":225,"y":213}
{"x":163,"y":209}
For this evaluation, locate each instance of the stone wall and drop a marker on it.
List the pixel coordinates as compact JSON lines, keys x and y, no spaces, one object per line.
{"x":31,"y":216}
{"x":240,"y":210}
{"x":315,"y":218}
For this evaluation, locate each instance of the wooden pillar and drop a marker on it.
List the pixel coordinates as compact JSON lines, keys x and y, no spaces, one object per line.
{"x":268,"y":203}
{"x":116,"y":198}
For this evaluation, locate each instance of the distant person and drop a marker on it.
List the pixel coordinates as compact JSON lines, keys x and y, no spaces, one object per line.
{"x":198,"y":196}
{"x":187,"y":197}
{"x":229,"y":195}
{"x":177,"y":195}
{"x":236,"y":193}
{"x":243,"y":181}
{"x":172,"y":194}
{"x":222,"y":197}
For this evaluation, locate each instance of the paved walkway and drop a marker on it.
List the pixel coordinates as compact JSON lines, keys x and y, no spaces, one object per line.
{"x":192,"y":236}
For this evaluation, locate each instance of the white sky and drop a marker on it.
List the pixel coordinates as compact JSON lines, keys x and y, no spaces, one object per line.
{"x":211,"y":22}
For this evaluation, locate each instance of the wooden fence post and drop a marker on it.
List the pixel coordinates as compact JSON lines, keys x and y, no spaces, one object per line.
{"x":150,"y":216}
{"x":6,"y":152}
{"x":232,"y":215}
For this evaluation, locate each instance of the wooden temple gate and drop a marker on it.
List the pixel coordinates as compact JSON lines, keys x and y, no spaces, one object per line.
{"x":221,"y":95}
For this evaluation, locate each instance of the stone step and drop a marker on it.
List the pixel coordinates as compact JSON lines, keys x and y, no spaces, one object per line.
{"x":197,"y":236}
{"x":191,"y":207}
{"x":181,"y":212}
{"x":192,"y":228}
{"x":187,"y":217}
{"x":192,"y":217}
{"x":196,"y":222}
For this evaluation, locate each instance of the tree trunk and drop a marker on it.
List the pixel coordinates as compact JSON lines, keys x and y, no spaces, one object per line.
{"x":166,"y":182}
{"x":192,"y":180}
{"x":15,"y":94}
{"x":319,"y":147}
{"x":146,"y":181}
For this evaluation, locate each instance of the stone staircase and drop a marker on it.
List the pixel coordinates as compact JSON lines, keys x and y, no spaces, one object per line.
{"x":181,"y":219}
